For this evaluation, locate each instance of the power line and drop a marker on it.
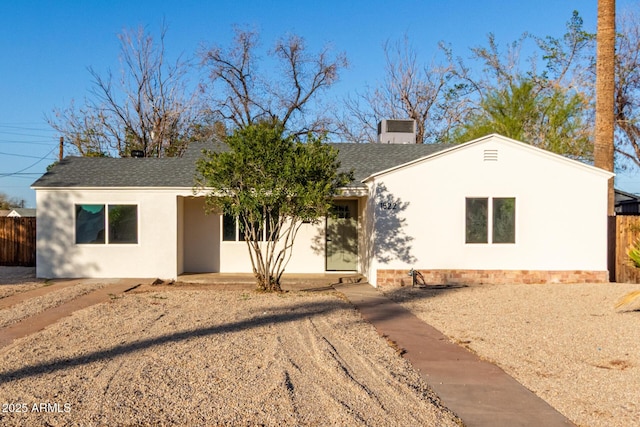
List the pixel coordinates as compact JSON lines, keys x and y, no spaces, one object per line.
{"x":26,"y":128}
{"x":28,"y":167}
{"x":20,"y":155}
{"x":7,"y":141}
{"x":30,"y":178}
{"x":17,"y":175}
{"x":25,"y":134}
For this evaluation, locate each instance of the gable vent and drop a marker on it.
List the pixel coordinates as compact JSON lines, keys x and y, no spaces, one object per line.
{"x":490,"y":155}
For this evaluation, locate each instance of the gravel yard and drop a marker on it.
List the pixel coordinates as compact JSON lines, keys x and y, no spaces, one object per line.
{"x":17,"y":279}
{"x":566,"y":343}
{"x":232,"y":357}
{"x":214,"y":358}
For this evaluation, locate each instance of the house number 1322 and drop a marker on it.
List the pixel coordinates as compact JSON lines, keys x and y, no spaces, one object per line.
{"x":388,"y":205}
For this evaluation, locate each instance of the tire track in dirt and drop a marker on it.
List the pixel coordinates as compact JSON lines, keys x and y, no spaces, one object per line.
{"x":331,"y":372}
{"x":298,"y":347}
{"x":358,"y":375}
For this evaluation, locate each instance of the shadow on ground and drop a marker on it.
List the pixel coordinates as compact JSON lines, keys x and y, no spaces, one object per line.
{"x":288,"y":314}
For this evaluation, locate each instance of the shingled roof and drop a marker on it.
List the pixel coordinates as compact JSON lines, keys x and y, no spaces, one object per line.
{"x":78,"y":172}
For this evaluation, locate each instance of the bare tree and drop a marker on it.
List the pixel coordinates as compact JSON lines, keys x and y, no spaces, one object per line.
{"x":627,"y":91}
{"x":242,"y":94}
{"x":7,"y":202}
{"x":427,"y":94}
{"x":557,"y":63}
{"x":146,"y":107}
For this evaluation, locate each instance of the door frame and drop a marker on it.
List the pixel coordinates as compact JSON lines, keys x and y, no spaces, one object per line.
{"x":354,"y":249}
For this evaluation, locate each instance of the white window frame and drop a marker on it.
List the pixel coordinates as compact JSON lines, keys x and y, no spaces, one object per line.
{"x":490,"y":228}
{"x":106,"y":225}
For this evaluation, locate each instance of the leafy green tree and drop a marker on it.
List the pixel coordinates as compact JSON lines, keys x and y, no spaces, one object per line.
{"x":549,"y":118}
{"x":271,"y":183}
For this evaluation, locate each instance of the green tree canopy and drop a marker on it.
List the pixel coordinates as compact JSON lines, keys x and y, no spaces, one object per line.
{"x":547,"y":117}
{"x":271,"y":183}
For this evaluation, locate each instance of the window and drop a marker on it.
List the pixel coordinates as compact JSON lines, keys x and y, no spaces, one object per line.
{"x":90,"y":224}
{"x":101,"y":224}
{"x":504,"y":220}
{"x":502,"y":216}
{"x":229,"y":228}
{"x":233,"y":230}
{"x":123,"y":224}
{"x":477,"y":225}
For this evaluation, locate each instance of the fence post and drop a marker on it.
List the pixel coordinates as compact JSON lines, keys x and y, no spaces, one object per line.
{"x":611,"y":247}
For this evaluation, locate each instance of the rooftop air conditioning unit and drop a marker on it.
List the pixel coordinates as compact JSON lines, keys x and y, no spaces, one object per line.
{"x":397,"y":132}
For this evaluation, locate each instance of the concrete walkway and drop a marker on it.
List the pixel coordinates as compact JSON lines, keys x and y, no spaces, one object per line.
{"x":45,"y":318}
{"x":477,"y":391}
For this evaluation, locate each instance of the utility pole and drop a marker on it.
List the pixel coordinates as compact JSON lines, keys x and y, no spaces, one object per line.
{"x":61,"y":153}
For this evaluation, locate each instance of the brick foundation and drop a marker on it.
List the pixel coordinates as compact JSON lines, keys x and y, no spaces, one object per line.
{"x":390,"y":278}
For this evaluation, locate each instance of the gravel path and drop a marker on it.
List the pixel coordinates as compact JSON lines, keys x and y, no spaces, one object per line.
{"x":566,"y":343}
{"x":18,"y":279}
{"x":41,"y":303}
{"x":214,"y":358}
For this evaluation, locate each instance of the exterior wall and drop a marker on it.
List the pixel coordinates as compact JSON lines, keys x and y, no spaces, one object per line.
{"x":201,"y":238}
{"x":155,"y":254}
{"x":308,"y":254}
{"x":174,"y":236}
{"x":425,"y":227}
{"x":180,"y":235}
{"x":368,"y":259}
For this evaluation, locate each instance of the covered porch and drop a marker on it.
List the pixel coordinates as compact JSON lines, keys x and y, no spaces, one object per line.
{"x":206,"y":249}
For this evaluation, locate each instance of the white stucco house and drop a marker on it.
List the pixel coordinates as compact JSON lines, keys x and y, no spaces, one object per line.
{"x":490,"y":210}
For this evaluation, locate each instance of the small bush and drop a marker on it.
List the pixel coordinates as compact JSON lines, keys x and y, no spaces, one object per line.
{"x":634,"y":254}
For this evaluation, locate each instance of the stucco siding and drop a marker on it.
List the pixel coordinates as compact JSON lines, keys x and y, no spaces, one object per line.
{"x":561,"y":219}
{"x":201,"y":238}
{"x":155,"y":254}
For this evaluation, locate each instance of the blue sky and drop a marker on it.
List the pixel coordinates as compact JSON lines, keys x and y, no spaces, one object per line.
{"x":46,"y":47}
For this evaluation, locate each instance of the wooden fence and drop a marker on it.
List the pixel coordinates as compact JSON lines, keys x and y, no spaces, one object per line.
{"x":18,"y":241}
{"x":626,"y":232}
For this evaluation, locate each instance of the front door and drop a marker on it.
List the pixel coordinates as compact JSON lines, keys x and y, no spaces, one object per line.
{"x":342,"y":236}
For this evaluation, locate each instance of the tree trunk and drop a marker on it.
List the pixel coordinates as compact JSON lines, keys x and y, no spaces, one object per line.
{"x":267,"y":283}
{"x":605,"y":87}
